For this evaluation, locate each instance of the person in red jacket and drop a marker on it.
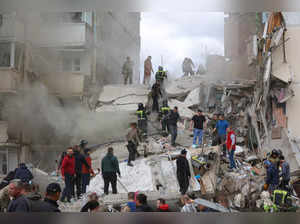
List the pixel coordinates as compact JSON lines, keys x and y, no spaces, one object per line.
{"x":231,"y":144}
{"x":86,"y":173}
{"x":68,"y":172}
{"x":162,"y":206}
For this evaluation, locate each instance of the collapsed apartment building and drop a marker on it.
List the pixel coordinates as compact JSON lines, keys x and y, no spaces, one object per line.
{"x":67,"y":55}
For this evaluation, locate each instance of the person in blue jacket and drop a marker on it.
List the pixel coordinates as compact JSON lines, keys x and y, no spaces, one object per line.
{"x":23,"y":173}
{"x":272,"y":177}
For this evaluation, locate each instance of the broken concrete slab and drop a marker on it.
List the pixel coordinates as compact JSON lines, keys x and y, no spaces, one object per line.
{"x":182,"y":86}
{"x":111,"y":93}
{"x":183,"y":109}
{"x":193,"y":98}
{"x":3,"y":131}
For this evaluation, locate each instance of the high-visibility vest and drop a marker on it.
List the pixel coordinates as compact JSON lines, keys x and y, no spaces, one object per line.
{"x":160,"y":75}
{"x":279,"y":197}
{"x":164,"y":109}
{"x":141,"y":115}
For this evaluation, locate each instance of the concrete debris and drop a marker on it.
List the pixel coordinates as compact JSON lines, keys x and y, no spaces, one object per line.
{"x":184,"y":111}
{"x":239,"y":200}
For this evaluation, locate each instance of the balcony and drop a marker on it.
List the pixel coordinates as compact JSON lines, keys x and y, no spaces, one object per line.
{"x":10,"y":28}
{"x":64,"y":35}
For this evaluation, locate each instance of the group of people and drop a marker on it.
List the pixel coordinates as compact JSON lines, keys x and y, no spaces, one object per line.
{"x":76,"y":170}
{"x":278,"y":171}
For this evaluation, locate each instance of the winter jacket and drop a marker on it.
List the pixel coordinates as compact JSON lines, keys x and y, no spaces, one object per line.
{"x":183,"y":168}
{"x":79,"y":162}
{"x":50,"y":206}
{"x":68,"y":165}
{"x":144,"y":208}
{"x":272,"y":175}
{"x":285,"y":171}
{"x":23,"y":173}
{"x":10,"y":176}
{"x":36,"y":204}
{"x":110,"y":163}
{"x":163,"y":208}
{"x":85,"y":170}
{"x":20,"y":204}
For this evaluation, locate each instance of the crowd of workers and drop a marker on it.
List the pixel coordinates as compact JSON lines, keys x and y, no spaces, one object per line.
{"x":76,"y":170}
{"x":188,"y":67}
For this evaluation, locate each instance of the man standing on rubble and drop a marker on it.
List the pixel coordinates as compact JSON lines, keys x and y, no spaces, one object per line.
{"x":212,"y":125}
{"x":86,"y":173}
{"x":68,"y":172}
{"x":142,"y":120}
{"x":110,"y":169}
{"x":79,"y":162}
{"x":148,"y":69}
{"x":183,"y":172}
{"x":187,"y":67}
{"x":285,"y":173}
{"x":156,"y":94}
{"x":163,"y":116}
{"x":230,"y":143}
{"x":133,"y":140}
{"x":127,"y":71}
{"x":272,"y":180}
{"x":173,"y":118}
{"x":221,"y":128}
{"x":197,"y":124}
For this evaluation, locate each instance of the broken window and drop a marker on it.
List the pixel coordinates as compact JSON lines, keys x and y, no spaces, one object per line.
{"x":71,"y":65}
{"x":5,"y":49}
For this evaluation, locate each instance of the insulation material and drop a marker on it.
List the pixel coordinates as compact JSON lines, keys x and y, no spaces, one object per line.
{"x":137,"y":178}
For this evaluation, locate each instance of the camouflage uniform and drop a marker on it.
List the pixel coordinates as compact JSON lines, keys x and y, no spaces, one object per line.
{"x":127,"y":71}
{"x":4,"y":199}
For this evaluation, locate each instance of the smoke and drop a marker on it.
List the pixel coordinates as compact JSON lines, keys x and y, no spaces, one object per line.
{"x":47,"y":120}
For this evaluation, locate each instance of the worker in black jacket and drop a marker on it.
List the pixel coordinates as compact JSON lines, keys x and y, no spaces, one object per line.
{"x":79,"y":162}
{"x":183,"y":172}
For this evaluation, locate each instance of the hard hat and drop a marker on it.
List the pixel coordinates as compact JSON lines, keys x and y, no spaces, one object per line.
{"x":275,"y":152}
{"x":140,"y":105}
{"x":160,"y":68}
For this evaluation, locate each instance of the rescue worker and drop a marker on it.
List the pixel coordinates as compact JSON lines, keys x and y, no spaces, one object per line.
{"x":148,"y":69}
{"x":231,"y":144}
{"x":156,"y":94}
{"x":133,"y":140}
{"x":110,"y":169}
{"x":127,"y":71}
{"x":142,"y":204}
{"x":68,"y":172}
{"x":274,"y":157}
{"x":272,"y":180}
{"x":142,"y":119}
{"x":183,"y":172}
{"x":163,"y":116}
{"x":285,"y":173}
{"x":187,"y":67}
{"x":173,"y":118}
{"x":160,"y":75}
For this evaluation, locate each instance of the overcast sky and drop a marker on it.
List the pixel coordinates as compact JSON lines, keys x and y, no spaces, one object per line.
{"x":177,"y":35}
